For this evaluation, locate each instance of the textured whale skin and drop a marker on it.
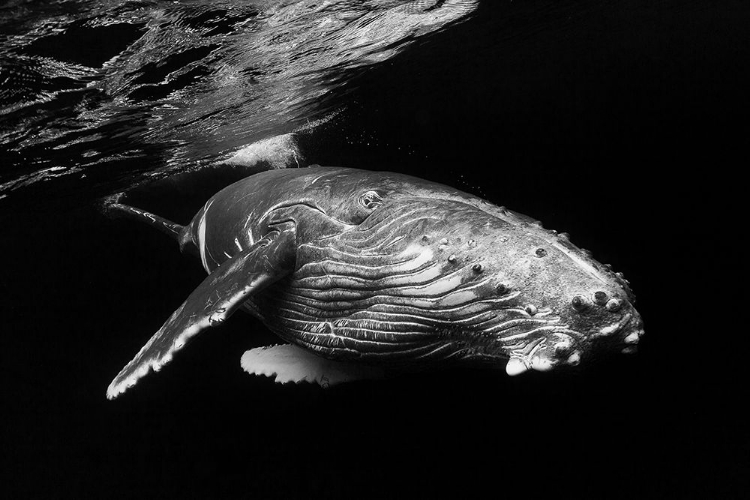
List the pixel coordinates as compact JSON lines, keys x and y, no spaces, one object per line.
{"x":390,"y":270}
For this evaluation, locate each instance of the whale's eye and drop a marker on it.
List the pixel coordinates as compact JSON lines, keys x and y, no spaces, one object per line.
{"x":541,"y":252}
{"x":370,"y":200}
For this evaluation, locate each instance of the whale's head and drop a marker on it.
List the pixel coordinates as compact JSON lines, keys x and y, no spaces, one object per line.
{"x":567,"y":307}
{"x":427,"y":273}
{"x":527,"y":294}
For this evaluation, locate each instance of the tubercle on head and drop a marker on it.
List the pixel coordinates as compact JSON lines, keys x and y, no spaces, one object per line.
{"x":606,"y":270}
{"x":598,"y":301}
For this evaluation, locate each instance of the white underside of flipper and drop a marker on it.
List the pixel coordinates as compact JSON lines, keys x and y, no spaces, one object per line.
{"x":290,"y":363}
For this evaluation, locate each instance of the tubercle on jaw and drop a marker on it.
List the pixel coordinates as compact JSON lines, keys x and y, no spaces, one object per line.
{"x":520,"y":363}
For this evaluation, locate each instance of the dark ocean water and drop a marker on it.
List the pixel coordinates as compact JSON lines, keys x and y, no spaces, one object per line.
{"x":622,"y":123}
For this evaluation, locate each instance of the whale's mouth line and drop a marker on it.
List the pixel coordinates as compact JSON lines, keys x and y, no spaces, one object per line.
{"x":626,"y":332}
{"x":540,"y":348}
{"x":626,"y":321}
{"x":553,"y":346}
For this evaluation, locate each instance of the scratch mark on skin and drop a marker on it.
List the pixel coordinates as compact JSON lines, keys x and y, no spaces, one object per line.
{"x":609,"y":330}
{"x":316,"y":179}
{"x":202,"y":235}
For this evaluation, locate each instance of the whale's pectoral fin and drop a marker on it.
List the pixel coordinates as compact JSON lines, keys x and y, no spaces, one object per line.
{"x":220,"y":294}
{"x":290,"y":363}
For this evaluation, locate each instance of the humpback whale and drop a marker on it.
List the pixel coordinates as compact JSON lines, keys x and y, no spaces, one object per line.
{"x":363,"y":273}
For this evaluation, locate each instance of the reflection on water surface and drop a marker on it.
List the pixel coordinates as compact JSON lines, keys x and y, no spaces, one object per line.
{"x":110,"y":93}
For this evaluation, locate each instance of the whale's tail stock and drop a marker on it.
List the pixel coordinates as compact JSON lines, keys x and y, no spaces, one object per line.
{"x":197,"y":184}
{"x":113,"y":208}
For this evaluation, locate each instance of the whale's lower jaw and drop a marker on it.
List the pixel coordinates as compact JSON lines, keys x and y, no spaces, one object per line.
{"x":380,"y":331}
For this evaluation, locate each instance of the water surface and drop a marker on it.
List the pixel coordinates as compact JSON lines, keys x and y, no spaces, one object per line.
{"x":96,"y":96}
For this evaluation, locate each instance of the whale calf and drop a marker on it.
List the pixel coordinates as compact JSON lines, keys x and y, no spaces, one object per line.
{"x":361,"y":272}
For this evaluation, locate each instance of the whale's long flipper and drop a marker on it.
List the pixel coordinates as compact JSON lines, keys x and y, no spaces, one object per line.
{"x":220,"y":294}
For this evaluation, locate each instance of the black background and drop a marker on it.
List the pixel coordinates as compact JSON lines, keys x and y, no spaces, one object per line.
{"x":624,"y":124}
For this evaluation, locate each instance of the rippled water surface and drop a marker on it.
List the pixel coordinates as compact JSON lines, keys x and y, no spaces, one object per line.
{"x":99,"y":95}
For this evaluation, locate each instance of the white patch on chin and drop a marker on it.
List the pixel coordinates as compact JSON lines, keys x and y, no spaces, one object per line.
{"x":515,"y":366}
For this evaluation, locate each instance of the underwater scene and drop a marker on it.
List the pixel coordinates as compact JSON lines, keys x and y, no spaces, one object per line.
{"x":619,"y":123}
